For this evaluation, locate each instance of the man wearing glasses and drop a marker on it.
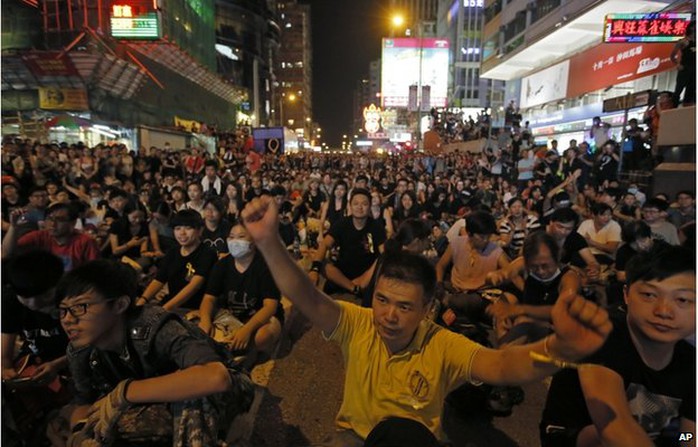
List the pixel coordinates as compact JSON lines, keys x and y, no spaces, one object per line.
{"x":59,"y":237}
{"x":141,"y":373}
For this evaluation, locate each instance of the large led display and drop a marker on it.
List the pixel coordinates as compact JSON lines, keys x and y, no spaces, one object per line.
{"x":400,"y":70}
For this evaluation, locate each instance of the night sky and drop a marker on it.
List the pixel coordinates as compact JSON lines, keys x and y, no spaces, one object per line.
{"x":346,"y":38}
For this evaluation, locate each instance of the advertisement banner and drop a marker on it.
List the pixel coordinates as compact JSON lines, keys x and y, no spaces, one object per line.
{"x":545,"y":86}
{"x":187,"y":125}
{"x":401,"y":61}
{"x":55,"y":98}
{"x":47,"y":63}
{"x":610,"y":64}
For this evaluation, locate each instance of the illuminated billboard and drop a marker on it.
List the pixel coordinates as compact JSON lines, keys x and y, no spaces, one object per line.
{"x":651,"y":27}
{"x":135,"y":20}
{"x":400,"y":70}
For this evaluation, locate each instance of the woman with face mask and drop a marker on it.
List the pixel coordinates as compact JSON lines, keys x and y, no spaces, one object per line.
{"x":242,"y":294}
{"x":544,"y":280}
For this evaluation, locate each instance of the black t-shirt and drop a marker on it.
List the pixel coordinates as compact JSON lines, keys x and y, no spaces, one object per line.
{"x":243,"y":293}
{"x":42,"y":334}
{"x":656,"y":398}
{"x":357,"y":248}
{"x":625,"y":253}
{"x":122,"y":229}
{"x":314,"y":202}
{"x":217,"y":239}
{"x":537,"y":293}
{"x":570,"y":250}
{"x":177,"y":270}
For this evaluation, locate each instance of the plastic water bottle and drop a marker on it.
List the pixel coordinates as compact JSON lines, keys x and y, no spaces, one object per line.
{"x":297,"y":248}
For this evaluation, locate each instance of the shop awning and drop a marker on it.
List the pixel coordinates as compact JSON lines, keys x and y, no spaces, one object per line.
{"x":177,"y":60}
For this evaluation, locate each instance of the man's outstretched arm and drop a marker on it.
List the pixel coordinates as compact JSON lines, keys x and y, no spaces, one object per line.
{"x":260,"y":217}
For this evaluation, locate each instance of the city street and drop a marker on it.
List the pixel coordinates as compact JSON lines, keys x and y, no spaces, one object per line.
{"x":304,"y":391}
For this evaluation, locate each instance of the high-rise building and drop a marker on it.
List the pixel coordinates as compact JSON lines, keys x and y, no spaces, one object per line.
{"x":460,"y":21}
{"x":247,"y":43}
{"x":557,"y":69}
{"x":293,"y":88}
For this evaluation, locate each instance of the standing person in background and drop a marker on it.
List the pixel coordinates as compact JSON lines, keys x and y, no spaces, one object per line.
{"x":686,"y":66}
{"x":599,"y":133}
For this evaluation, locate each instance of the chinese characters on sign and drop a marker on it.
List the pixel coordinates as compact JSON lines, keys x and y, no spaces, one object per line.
{"x":619,"y":57}
{"x":652,"y":27}
{"x":129,"y":22}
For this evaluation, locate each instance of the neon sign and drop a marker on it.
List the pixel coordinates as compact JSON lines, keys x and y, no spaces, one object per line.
{"x":128,"y":22}
{"x":652,"y":27}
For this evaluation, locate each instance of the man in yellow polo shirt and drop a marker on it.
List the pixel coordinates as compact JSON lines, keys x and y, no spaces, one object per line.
{"x":400,"y":366}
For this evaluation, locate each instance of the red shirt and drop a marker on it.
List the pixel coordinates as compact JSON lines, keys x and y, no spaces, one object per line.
{"x":79,"y":250}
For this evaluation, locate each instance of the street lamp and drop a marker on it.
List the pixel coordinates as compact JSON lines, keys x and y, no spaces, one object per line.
{"x":398,"y":21}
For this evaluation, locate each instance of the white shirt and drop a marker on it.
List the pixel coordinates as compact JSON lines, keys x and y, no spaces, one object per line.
{"x":609,"y":233}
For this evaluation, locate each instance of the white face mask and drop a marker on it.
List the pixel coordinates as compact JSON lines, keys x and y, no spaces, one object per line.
{"x":239,"y":247}
{"x":545,"y":281}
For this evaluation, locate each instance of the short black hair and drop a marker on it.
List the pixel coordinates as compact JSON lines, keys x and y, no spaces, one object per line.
{"x":118,"y":192}
{"x":598,"y":209}
{"x":211,"y":163}
{"x":564,"y":215}
{"x":634,"y":230}
{"x":107,"y":277}
{"x":278,"y":190}
{"x":217,"y":203}
{"x":34,"y":272}
{"x":657,"y":203}
{"x":686,"y":192}
{"x":410,"y":268}
{"x":360,"y":192}
{"x":187,"y":218}
{"x":534,"y":241}
{"x":661,"y":262}
{"x":72,"y":210}
{"x":480,"y":222}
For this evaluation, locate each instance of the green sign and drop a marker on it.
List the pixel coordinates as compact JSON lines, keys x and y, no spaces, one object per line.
{"x":144,"y":26}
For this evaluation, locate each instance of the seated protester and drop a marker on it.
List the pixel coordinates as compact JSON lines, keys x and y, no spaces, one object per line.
{"x":118,"y":199}
{"x":129,"y":237}
{"x":574,"y":249}
{"x":59,"y":237}
{"x":654,"y":213}
{"x":680,"y":214}
{"x":195,"y":192}
{"x":412,"y":236}
{"x":142,"y":375}
{"x":543,"y":279}
{"x":28,"y":314}
{"x":336,"y":206}
{"x":514,"y":228}
{"x":408,"y":208}
{"x":211,"y":183}
{"x":240,"y":285}
{"x":639,"y":388}
{"x":216,"y":227}
{"x":627,"y":211}
{"x":473,"y":256}
{"x":287,"y":230}
{"x":394,"y":343}
{"x":637,"y":238}
{"x":161,"y":233}
{"x":185,"y":268}
{"x":602,"y":233}
{"x":359,"y":240}
{"x":313,"y":200}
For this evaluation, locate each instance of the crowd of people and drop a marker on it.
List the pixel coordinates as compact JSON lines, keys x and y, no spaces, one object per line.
{"x":157,"y":268}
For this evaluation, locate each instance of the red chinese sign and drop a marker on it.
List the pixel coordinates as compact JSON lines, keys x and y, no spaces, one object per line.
{"x":49,"y":63}
{"x":653,"y":27}
{"x":606,"y":65}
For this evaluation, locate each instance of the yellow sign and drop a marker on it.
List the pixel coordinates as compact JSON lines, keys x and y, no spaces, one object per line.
{"x":187,"y":125}
{"x":372,"y":118}
{"x":55,"y":98}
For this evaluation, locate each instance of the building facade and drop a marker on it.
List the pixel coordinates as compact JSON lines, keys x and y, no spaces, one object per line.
{"x":293,"y":93}
{"x":557,"y":70}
